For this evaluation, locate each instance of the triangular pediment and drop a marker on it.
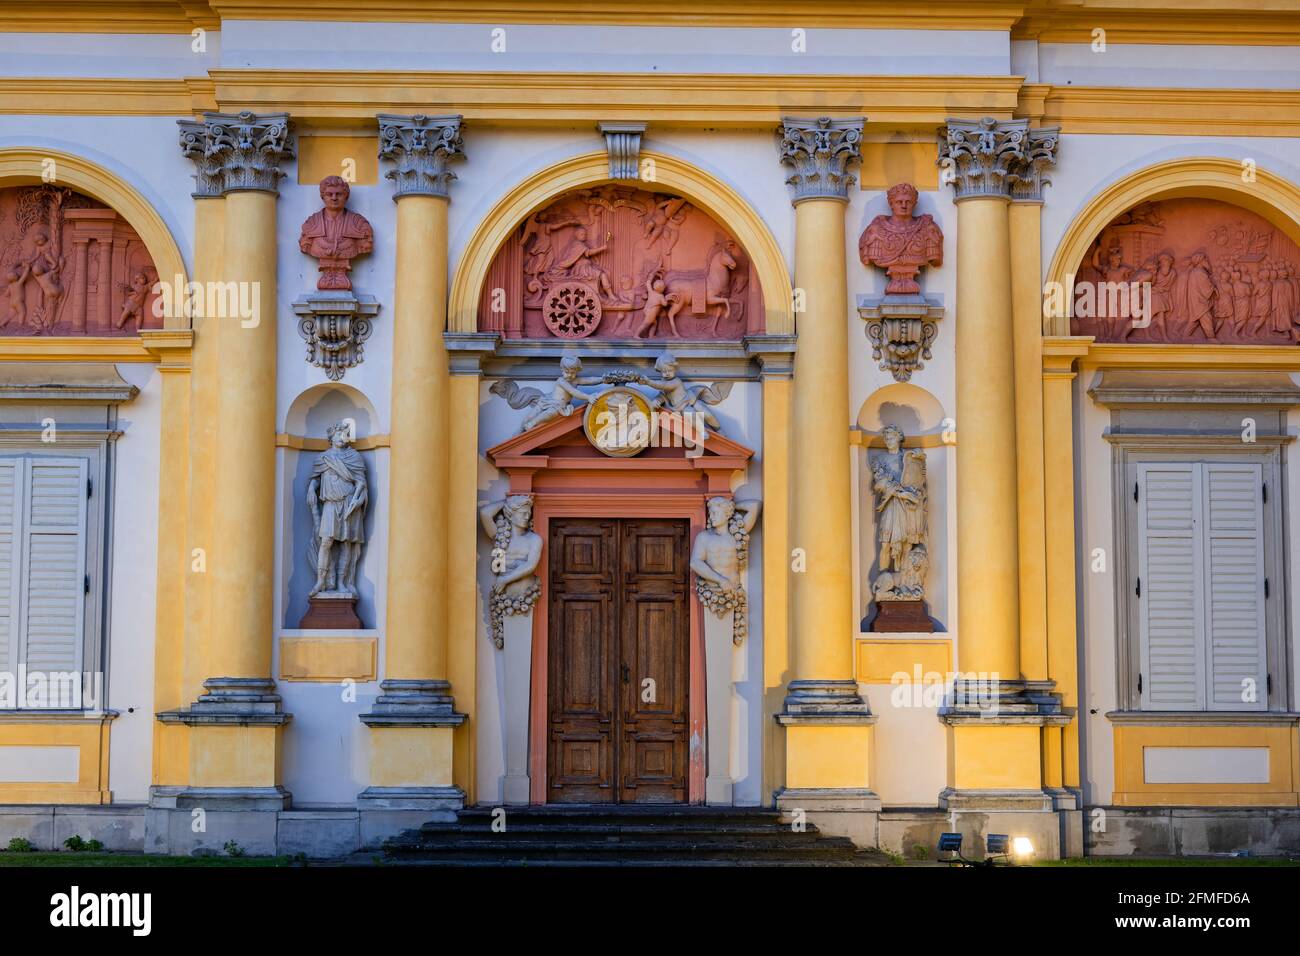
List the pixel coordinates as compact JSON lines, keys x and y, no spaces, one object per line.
{"x":564,"y":436}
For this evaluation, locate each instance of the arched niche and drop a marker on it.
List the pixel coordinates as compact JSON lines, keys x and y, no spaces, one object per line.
{"x":926,"y":426}
{"x":135,"y":239}
{"x":309,"y":415}
{"x":672,"y":176}
{"x":1272,"y":199}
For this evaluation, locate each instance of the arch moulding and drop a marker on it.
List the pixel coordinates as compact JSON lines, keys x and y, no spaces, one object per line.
{"x":23,"y":166}
{"x":1268,"y":195}
{"x":671,"y":174}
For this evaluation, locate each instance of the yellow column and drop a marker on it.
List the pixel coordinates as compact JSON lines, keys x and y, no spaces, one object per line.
{"x":1059,"y":355}
{"x":987,"y":536}
{"x":185,"y":496}
{"x":235,"y":725}
{"x":995,"y":727}
{"x":1027,"y":333}
{"x":413,"y":724}
{"x":827,"y":724}
{"x":775,"y":354}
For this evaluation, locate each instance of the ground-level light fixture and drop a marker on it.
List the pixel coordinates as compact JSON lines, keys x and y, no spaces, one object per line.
{"x":997,"y":848}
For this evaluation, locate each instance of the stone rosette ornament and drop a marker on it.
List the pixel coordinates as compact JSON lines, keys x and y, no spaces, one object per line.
{"x":719,"y":557}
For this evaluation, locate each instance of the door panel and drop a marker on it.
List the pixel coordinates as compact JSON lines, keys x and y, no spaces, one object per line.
{"x":619,"y":661}
{"x":581,"y":686}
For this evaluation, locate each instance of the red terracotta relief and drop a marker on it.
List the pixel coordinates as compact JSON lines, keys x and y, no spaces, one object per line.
{"x":620,"y":262}
{"x":1189,"y":271}
{"x":69,"y":265}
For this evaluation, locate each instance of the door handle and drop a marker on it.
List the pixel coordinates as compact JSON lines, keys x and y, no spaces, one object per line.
{"x":627,"y":674}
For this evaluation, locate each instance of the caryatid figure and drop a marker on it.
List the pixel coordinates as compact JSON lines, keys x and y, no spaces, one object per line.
{"x":516,"y":552}
{"x":718,"y":557}
{"x":335,"y":235}
{"x":337,"y":495}
{"x":901,"y":243}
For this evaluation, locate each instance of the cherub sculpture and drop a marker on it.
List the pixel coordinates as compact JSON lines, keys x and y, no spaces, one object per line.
{"x":136,"y":294}
{"x":516,"y":552}
{"x":683,"y":398}
{"x":719,"y":556}
{"x":567,"y":392}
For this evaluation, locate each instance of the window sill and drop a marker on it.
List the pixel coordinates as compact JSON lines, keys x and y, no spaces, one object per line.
{"x":34,"y":715}
{"x":1251,"y":718}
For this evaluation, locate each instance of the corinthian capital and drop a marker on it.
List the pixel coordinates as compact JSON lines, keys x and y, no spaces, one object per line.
{"x":237,"y":151}
{"x":991,"y":157}
{"x":422,"y":147}
{"x":818,"y":153}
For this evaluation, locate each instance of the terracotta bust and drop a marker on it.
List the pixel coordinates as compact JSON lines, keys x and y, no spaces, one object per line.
{"x":901,"y":243}
{"x":335,"y":236}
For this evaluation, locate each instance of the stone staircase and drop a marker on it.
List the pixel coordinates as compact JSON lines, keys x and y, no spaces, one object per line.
{"x":623,"y":836}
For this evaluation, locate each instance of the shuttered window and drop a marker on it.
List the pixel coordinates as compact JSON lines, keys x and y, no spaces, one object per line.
{"x":1201,"y":586}
{"x":43,"y":572}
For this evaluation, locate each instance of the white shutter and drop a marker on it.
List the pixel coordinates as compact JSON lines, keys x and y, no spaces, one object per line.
{"x":1234,"y":586}
{"x":11,"y":473}
{"x":1170,"y":607}
{"x":52,"y":623}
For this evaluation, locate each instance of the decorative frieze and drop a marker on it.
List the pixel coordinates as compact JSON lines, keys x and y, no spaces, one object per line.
{"x":623,"y":141}
{"x":422,"y":147}
{"x":998,"y":158}
{"x":235,"y":152}
{"x":818,"y":153}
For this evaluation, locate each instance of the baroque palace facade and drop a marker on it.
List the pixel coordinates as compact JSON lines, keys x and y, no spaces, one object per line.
{"x":881,"y":416}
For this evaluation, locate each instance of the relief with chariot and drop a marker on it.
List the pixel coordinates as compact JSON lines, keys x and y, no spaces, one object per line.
{"x":69,"y":265}
{"x":617,"y":262}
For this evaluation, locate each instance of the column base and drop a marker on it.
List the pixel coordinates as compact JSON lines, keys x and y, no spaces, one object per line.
{"x":413,"y":703}
{"x":214,"y":821}
{"x":995,"y":746}
{"x":443,"y":803}
{"x":241,"y":701}
{"x":845,"y":812}
{"x":411,"y":731}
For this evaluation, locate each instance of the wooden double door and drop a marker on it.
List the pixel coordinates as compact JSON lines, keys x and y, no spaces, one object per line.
{"x":618,"y":661}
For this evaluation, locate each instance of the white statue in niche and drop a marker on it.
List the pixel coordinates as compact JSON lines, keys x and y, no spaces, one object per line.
{"x":516,"y":552}
{"x":898,"y":481}
{"x":337,"y":495}
{"x":719,"y":556}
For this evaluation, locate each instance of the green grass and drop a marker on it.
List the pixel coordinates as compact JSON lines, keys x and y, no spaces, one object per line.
{"x":136,"y":859}
{"x":1172,"y":861}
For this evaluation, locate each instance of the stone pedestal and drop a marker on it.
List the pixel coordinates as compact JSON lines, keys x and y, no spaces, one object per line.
{"x":518,"y":650}
{"x":899,"y":617}
{"x":331,"y":612}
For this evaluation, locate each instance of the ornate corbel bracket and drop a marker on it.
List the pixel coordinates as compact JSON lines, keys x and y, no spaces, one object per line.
{"x":335,"y":325}
{"x":901,"y":329}
{"x":623,"y":141}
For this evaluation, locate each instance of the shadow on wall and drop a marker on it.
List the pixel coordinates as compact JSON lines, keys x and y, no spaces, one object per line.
{"x":311,"y":413}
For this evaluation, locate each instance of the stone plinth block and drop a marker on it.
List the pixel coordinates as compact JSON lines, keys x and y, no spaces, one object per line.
{"x":331,"y":613}
{"x":897,"y":617}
